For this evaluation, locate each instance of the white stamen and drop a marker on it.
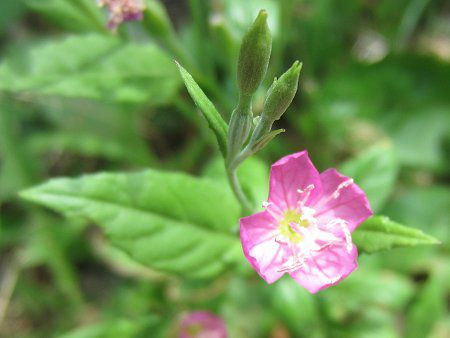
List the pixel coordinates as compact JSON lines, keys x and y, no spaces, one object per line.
{"x":266,"y":205}
{"x":345,"y":230}
{"x":341,"y":186}
{"x":297,"y":263}
{"x":307,"y":192}
{"x":334,"y":280}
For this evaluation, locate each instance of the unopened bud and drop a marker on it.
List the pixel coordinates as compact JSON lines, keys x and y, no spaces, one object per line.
{"x":279,"y":97}
{"x":240,"y":126}
{"x":122,"y":11}
{"x":281,"y":93}
{"x":254,"y":55}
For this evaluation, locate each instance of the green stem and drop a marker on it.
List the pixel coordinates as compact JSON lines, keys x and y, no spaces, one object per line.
{"x":237,"y":190}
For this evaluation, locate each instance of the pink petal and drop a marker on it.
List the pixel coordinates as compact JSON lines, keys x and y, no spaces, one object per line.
{"x":258,"y":233}
{"x":351,"y":205}
{"x":326,"y":267}
{"x":289,"y":174}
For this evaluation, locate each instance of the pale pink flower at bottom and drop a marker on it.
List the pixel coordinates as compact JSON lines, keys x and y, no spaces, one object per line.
{"x":122,"y":11}
{"x":202,"y":324}
{"x":305,"y":229}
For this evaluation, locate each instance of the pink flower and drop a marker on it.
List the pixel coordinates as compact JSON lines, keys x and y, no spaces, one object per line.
{"x":202,"y":324}
{"x":306,"y":227}
{"x":122,"y":11}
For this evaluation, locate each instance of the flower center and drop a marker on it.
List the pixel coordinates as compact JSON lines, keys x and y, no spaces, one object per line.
{"x":287,"y":226}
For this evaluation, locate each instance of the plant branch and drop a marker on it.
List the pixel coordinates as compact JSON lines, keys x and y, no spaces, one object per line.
{"x":237,"y":189}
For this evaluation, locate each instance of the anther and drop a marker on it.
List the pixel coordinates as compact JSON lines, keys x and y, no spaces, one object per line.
{"x":341,"y":186}
{"x":307,"y":192}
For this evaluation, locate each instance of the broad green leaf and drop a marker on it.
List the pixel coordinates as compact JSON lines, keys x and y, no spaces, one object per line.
{"x":215,"y":121}
{"x":375,"y":172}
{"x":389,"y":290}
{"x":90,"y":128}
{"x":95,"y":67}
{"x":167,"y":221}
{"x":380,"y":233}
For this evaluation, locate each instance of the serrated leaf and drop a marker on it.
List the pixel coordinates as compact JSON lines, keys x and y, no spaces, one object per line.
{"x":94,"y":67}
{"x":375,"y":172}
{"x":380,"y":233}
{"x":215,"y":120}
{"x":169,"y":222}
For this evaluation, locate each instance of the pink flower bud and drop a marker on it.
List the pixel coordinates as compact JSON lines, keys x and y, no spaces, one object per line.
{"x":202,"y":324}
{"x":122,"y":11}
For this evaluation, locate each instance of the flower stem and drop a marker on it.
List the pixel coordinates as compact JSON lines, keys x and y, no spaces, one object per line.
{"x":237,"y":190}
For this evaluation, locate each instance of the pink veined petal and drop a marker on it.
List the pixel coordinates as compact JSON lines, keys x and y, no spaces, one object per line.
{"x":258,"y":233}
{"x":289,"y":174}
{"x":326,"y":267}
{"x":351,"y":204}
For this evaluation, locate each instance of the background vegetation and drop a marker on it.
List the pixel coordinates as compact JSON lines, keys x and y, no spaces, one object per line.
{"x":76,"y":98}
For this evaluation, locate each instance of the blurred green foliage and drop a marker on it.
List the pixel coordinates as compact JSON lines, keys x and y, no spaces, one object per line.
{"x":76,"y":98}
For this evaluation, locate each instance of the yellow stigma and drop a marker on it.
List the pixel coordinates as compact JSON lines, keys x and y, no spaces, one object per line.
{"x":285,"y":228}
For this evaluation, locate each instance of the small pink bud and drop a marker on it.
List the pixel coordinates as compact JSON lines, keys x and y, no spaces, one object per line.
{"x":122,"y":10}
{"x":202,"y":324}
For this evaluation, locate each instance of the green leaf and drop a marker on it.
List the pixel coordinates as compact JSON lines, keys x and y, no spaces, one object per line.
{"x":98,"y":130}
{"x":430,"y":305}
{"x":375,"y":172}
{"x":9,"y":12}
{"x":167,"y":221}
{"x":408,"y":208}
{"x":296,"y":307}
{"x":215,"y":121}
{"x":265,"y":139}
{"x":95,"y":67}
{"x":18,"y":168}
{"x":117,"y":328}
{"x":73,"y":15}
{"x":380,"y":233}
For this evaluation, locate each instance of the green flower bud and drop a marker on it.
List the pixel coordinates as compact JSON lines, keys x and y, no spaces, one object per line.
{"x":240,"y":126}
{"x":278,"y":98}
{"x":281,"y":93}
{"x":254,"y":55}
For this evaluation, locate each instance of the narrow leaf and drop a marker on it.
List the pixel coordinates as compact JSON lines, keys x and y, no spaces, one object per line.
{"x":380,"y":233}
{"x":167,"y":221}
{"x":215,"y":121}
{"x":264,"y":140}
